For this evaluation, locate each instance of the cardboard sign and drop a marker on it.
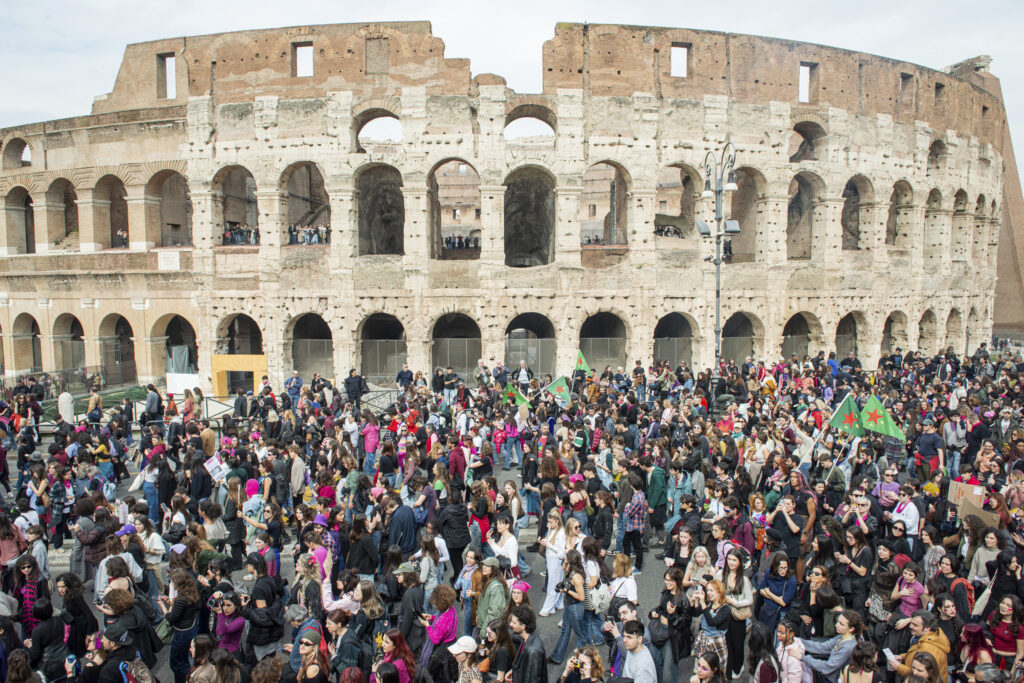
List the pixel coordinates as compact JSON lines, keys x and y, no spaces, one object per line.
{"x":967,"y":507}
{"x":217,"y":469}
{"x":960,"y":492}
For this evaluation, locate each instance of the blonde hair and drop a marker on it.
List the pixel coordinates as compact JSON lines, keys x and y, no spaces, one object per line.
{"x":621,"y":567}
{"x":596,"y":663}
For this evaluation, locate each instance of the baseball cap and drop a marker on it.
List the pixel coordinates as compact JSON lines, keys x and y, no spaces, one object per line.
{"x":465,"y":644}
{"x":126,"y":529}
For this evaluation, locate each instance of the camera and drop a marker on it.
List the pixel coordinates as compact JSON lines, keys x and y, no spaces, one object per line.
{"x":654,"y":614}
{"x":563,"y":586}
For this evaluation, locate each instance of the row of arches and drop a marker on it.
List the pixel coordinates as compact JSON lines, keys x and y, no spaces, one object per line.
{"x":529,"y":216}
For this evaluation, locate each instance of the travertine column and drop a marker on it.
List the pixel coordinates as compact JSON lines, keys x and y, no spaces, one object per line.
{"x":827,"y":232}
{"x":207,"y":227}
{"x":938,"y":227}
{"x":772,"y":213}
{"x":270,"y":203}
{"x":872,"y":227}
{"x":962,"y":237}
{"x":343,"y":228}
{"x":143,"y":219}
{"x":49,"y":225}
{"x":416,"y":259}
{"x":91,"y":212}
{"x":641,"y":207}
{"x":567,"y":226}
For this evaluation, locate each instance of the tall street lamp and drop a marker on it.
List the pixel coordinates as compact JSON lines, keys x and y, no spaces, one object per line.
{"x":719,"y":178}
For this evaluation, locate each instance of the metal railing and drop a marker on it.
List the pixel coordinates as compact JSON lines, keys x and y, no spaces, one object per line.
{"x":313,"y":355}
{"x":539,"y":354}
{"x":674,"y":349}
{"x":601,"y":352}
{"x":459,"y":354}
{"x":737,"y":348}
{"x":381,"y":359}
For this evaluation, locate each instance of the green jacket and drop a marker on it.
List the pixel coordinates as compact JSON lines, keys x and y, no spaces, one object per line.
{"x":491,"y":604}
{"x":657,"y":491}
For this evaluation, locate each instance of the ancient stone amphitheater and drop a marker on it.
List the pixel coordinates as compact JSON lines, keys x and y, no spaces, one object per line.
{"x":231,"y":209}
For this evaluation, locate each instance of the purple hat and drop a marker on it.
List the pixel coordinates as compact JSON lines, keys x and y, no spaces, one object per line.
{"x":321,"y":520}
{"x":126,"y":529}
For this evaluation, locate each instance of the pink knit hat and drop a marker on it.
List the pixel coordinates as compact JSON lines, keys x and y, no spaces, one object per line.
{"x":251,"y":487}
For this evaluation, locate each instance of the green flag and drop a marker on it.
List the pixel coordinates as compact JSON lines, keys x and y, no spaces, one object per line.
{"x":847,"y":417}
{"x":581,"y":362}
{"x":876,"y":418}
{"x":513,"y":395}
{"x":559,"y":389}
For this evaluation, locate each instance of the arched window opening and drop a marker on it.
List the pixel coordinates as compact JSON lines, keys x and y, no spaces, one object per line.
{"x":241,"y":336}
{"x":30,"y":226}
{"x":800,"y":219}
{"x":897,"y":222}
{"x":927,"y":338}
{"x":28,"y":350}
{"x":738,"y":338}
{"x":603,"y":205}
{"x":182,"y":350}
{"x":955,"y":332}
{"x":312,"y":347}
{"x":239,"y":207}
{"x":531,"y":337}
{"x":111,"y":212}
{"x":603,"y":342}
{"x":455,"y":206}
{"x":309,"y":207}
{"x":377,"y":127}
{"x":382,"y":348}
{"x":68,"y":343}
{"x":530,"y":127}
{"x":381,"y":208}
{"x":62,"y":209}
{"x":846,"y":337}
{"x":673,"y":340}
{"x":796,"y":337}
{"x":171,"y":190}
{"x":743,"y":207}
{"x":456,"y":344}
{"x":806,"y":142}
{"x":894,"y":333}
{"x":16,"y":154}
{"x":117,"y":351}
{"x":936,"y":157}
{"x":850,"y":217}
{"x":529,"y":218}
{"x":676,"y":199}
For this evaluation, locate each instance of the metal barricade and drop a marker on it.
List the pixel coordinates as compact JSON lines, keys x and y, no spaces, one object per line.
{"x":602,"y":352}
{"x":382,"y":359}
{"x":674,"y":349}
{"x":539,"y":354}
{"x":313,"y":355}
{"x":460,"y":354}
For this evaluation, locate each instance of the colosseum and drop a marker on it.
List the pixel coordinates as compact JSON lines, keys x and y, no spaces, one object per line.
{"x":229,"y":211}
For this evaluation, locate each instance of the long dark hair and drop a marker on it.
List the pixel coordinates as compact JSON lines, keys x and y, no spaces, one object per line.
{"x":715,"y":665}
{"x":1016,"y":614}
{"x":761,"y":647}
{"x":204,"y":645}
{"x":503,"y":639}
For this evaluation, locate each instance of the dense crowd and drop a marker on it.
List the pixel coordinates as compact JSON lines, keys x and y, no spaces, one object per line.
{"x":786,"y":547}
{"x":240,"y":234}
{"x":309,"y":234}
{"x":461,"y":242}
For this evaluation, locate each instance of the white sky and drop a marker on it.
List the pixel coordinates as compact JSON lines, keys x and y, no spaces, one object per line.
{"x":58,"y":55}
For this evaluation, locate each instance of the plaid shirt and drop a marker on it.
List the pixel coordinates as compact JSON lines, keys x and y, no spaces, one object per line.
{"x":636,"y":512}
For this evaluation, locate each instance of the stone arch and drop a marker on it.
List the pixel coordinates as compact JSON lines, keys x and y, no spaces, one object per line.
{"x":27,"y":346}
{"x":455,"y":343}
{"x":857,"y":196}
{"x":239,"y":334}
{"x":529,"y":217}
{"x":805,"y":190}
{"x":238,"y":209}
{"x":898,"y":220}
{"x":169,"y":210}
{"x":373,"y":126}
{"x":604,"y":204}
{"x":16,"y":154}
{"x":674,"y":335}
{"x":928,"y":333}
{"x":531,"y":337}
{"x":799,"y":332}
{"x":850,"y":334}
{"x":980,"y":205}
{"x":742,"y":336}
{"x":744,"y":206}
{"x":934,"y":202}
{"x":604,"y":341}
{"x":68,"y":338}
{"x":453,"y":193}
{"x":955,"y":331}
{"x":382,"y":347}
{"x":62,"y":213}
{"x":962,"y":227}
{"x":380,"y":206}
{"x":21,"y":221}
{"x":936,"y":157}
{"x":532,"y":110}
{"x":175,"y":346}
{"x":312,"y":346}
{"x":117,"y":351}
{"x":894,"y":333}
{"x":807,"y":142}
{"x":677,"y":189}
{"x":110,"y":213}
{"x":972,"y":333}
{"x":305,"y":203}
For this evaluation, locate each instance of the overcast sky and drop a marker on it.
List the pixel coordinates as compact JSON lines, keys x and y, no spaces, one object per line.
{"x":56,"y":56}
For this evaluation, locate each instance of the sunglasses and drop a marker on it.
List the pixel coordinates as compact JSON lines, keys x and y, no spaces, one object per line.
{"x":306,"y":643}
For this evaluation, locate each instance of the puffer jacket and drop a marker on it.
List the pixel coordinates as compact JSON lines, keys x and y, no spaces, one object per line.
{"x":492,"y":603}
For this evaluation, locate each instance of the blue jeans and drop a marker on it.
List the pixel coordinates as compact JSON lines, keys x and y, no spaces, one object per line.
{"x":581,"y":517}
{"x":620,"y":531}
{"x":592,"y":622}
{"x":641,"y":393}
{"x":153,"y":501}
{"x":449,"y":396}
{"x":370,"y":464}
{"x":572,"y":620}
{"x":953,"y":462}
{"x":664,"y":663}
{"x":181,"y":662}
{"x":508,"y":447}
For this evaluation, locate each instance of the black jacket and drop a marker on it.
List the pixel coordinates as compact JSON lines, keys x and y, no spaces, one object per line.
{"x":109,"y":670}
{"x":408,"y":623}
{"x":144,"y":638}
{"x":48,"y":634}
{"x":530,"y":665}
{"x":266,"y":624}
{"x":602,"y":526}
{"x":453,"y":523}
{"x":355,"y":386}
{"x":82,"y":622}
{"x":363,"y":556}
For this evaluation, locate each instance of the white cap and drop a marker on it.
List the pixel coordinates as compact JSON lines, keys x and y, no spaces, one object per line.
{"x":463,"y":644}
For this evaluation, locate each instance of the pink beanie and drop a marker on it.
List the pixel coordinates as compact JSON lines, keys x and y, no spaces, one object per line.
{"x":251,"y":487}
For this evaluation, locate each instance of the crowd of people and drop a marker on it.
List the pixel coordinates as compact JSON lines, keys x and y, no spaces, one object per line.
{"x":461,"y":242}
{"x":314,"y":541}
{"x":240,"y":234}
{"x":309,"y":234}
